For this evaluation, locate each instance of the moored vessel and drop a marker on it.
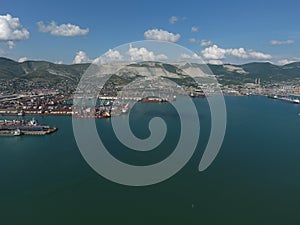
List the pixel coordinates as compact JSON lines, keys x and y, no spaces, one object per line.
{"x":20,"y":127}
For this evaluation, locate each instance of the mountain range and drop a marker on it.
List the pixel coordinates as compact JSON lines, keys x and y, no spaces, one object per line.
{"x":227,"y":74}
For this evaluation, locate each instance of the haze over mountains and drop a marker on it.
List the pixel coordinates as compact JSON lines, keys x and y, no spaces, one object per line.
{"x":235,"y":74}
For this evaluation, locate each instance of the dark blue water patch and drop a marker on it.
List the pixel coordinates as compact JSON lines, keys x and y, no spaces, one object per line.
{"x":140,"y":117}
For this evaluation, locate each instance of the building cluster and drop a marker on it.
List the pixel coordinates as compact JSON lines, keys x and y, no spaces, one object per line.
{"x":26,"y":87}
{"x":40,"y":102}
{"x":27,"y":97}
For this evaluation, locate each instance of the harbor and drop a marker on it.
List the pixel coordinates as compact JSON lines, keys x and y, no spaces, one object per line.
{"x":21,"y":127}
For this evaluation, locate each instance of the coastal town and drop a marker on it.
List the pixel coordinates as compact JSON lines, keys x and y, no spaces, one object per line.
{"x":34,"y":98}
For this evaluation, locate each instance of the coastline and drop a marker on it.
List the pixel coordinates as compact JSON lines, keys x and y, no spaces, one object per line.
{"x":13,"y":112}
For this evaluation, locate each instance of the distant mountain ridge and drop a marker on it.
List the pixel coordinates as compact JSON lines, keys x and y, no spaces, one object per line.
{"x":227,"y":73}
{"x":40,"y":70}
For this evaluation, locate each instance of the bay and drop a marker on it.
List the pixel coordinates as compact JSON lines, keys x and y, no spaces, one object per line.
{"x":253,"y":180}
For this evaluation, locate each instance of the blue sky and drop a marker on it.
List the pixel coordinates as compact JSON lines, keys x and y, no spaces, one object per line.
{"x":224,"y":31}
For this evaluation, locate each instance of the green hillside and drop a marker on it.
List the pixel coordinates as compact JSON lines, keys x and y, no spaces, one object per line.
{"x":227,"y":74}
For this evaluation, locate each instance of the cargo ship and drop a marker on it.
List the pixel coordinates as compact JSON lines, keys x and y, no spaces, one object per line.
{"x":153,"y":99}
{"x":22,"y":127}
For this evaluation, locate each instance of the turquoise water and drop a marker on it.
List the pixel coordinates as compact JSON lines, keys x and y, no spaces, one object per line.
{"x":254,"y":179}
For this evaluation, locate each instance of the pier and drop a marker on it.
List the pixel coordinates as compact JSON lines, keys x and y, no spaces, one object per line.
{"x":288,"y":98}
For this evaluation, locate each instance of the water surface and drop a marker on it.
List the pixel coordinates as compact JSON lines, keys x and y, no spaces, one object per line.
{"x":254,"y":179}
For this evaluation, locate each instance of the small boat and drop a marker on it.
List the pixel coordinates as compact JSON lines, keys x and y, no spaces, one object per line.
{"x":296,"y":101}
{"x":124,"y":110}
{"x":273,"y":96}
{"x":17,"y":132}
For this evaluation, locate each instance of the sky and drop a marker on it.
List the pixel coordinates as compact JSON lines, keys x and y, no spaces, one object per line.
{"x":217,"y":31}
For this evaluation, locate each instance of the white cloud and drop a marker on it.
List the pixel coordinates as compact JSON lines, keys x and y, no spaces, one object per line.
{"x":113,"y":55}
{"x":287,"y":42}
{"x":143,"y":54}
{"x":287,"y":61}
{"x":215,"y":62}
{"x":81,"y":57}
{"x":11,"y":44}
{"x":110,"y":56}
{"x":68,"y":30}
{"x":22,"y":59}
{"x":59,"y":62}
{"x":206,"y":43}
{"x":258,"y":55}
{"x":194,"y":29}
{"x":216,"y":53}
{"x":12,"y":30}
{"x":193,"y":40}
{"x":161,"y":35}
{"x":187,"y":56}
{"x":173,"y":19}
{"x":238,"y":53}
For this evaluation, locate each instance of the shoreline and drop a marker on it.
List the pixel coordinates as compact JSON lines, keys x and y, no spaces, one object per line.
{"x":71,"y":113}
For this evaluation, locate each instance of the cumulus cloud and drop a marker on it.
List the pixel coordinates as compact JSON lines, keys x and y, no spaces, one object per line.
{"x":187,"y":56}
{"x":11,"y":44}
{"x":238,"y":53}
{"x":173,"y":19}
{"x":206,"y":43}
{"x":111,"y":56}
{"x":215,"y":62}
{"x":134,"y":54}
{"x":81,"y":57}
{"x":161,"y":35}
{"x":22,"y":59}
{"x":258,"y":55}
{"x":194,"y":29}
{"x":12,"y":30}
{"x":287,"y":61}
{"x":67,"y":30}
{"x":192,"y":40}
{"x":59,"y":62}
{"x":143,"y":54}
{"x":215,"y":53}
{"x":287,"y":42}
